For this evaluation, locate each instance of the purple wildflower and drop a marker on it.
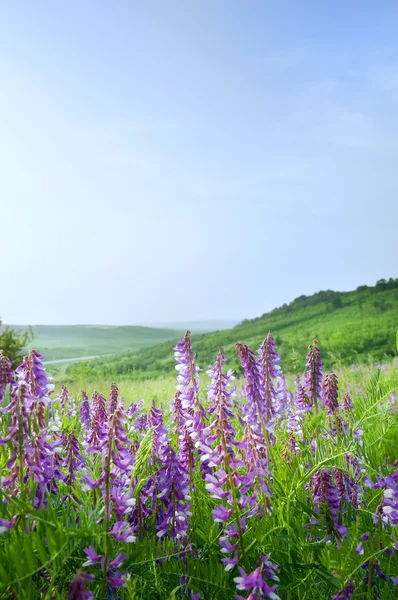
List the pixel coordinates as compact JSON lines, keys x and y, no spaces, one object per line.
{"x":77,"y":588}
{"x":330,"y":388}
{"x":113,"y":575}
{"x":346,"y":592}
{"x":7,"y":525}
{"x":173,"y":495}
{"x":33,"y":374}
{"x":85,"y":411}
{"x":74,"y":460}
{"x":388,"y":507}
{"x":326,"y":500}
{"x":256,"y":583}
{"x":113,"y":398}
{"x":256,"y":408}
{"x":313,"y":376}
{"x":188,"y":385}
{"x":270,"y":370}
{"x":346,"y":403}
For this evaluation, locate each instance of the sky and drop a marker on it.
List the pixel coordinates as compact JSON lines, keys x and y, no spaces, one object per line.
{"x":166,"y":161}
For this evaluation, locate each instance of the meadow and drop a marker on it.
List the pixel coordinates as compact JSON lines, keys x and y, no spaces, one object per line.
{"x":256,"y":487}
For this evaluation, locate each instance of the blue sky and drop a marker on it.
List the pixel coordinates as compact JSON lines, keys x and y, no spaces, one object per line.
{"x":165,"y":161}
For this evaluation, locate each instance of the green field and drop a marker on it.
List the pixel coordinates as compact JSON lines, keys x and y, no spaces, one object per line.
{"x":57,"y":342}
{"x":352,"y":327}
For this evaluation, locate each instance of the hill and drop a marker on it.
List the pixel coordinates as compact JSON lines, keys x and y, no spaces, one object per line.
{"x":356,"y":326}
{"x":58,"y":342}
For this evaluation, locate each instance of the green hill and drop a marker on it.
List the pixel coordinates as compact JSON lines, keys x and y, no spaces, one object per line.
{"x":58,"y":342}
{"x":357,"y":326}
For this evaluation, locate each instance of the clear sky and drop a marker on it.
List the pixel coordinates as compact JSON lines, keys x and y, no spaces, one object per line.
{"x":173,"y":160}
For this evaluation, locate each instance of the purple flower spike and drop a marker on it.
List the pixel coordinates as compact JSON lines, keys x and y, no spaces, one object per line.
{"x":85,"y":411}
{"x":313,"y":378}
{"x":77,"y":588}
{"x":113,"y":402}
{"x":330,"y":393}
{"x":188,"y":383}
{"x":256,"y":409}
{"x":325,"y":496}
{"x":269,"y":359}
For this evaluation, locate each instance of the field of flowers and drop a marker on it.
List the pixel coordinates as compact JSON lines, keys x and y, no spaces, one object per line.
{"x":261,"y":488}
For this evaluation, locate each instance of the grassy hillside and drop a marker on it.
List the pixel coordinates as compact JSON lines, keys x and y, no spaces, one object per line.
{"x":70,"y":341}
{"x":357,"y":326}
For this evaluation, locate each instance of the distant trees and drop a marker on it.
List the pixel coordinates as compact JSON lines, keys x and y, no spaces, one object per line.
{"x":13,"y":343}
{"x":335,"y":298}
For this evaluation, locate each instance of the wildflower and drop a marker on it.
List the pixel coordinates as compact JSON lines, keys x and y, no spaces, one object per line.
{"x":188,"y":380}
{"x":330,"y":392}
{"x":313,"y":376}
{"x":77,"y":588}
{"x":113,"y":398}
{"x":346,"y":403}
{"x":85,"y":411}
{"x":270,"y":370}
{"x":346,"y":592}
{"x":174,"y":499}
{"x":7,"y":525}
{"x":113,"y":576}
{"x":255,"y":409}
{"x":325,"y":497}
{"x":256,"y":583}
{"x":33,"y":374}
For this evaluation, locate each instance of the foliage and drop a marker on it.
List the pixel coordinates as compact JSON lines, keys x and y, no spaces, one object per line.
{"x":13,"y":343}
